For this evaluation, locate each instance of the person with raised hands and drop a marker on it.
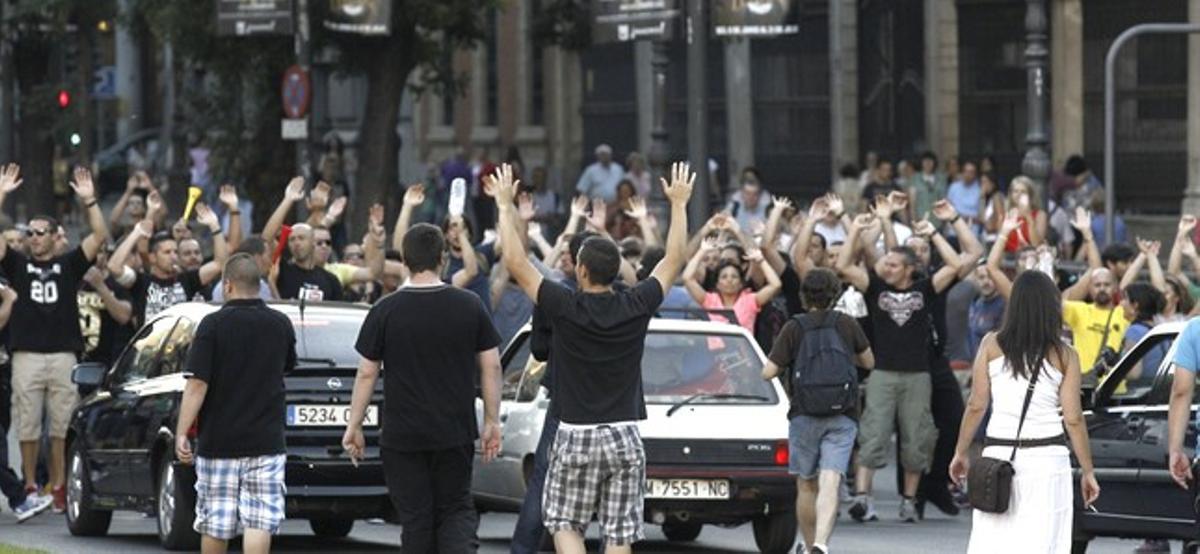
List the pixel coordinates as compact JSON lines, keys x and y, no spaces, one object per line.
{"x":45,"y":335}
{"x":733,"y":292}
{"x":596,"y":347}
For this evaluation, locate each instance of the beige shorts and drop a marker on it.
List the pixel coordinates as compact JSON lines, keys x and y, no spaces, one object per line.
{"x":43,"y":381}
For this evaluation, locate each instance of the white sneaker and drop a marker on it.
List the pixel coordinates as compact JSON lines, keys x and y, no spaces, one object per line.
{"x":33,"y":505}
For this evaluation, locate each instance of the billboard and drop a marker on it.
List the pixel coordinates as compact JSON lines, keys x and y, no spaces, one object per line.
{"x":626,"y":20}
{"x":364,"y":17}
{"x":254,"y":17}
{"x":755,"y":18}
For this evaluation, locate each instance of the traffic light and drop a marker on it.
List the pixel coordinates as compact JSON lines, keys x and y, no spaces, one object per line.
{"x":64,"y":99}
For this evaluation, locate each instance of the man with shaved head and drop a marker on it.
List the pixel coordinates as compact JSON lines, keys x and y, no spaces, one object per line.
{"x":1097,"y":324}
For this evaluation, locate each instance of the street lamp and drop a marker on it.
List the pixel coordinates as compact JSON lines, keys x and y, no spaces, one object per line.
{"x":1036,"y":164}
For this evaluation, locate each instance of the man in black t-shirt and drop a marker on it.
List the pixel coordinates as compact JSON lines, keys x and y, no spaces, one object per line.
{"x":45,"y":334}
{"x":235,"y":396}
{"x":105,"y":313}
{"x":429,"y":428}
{"x":597,"y":343}
{"x":165,"y":284}
{"x":898,"y":391}
{"x":301,"y":276}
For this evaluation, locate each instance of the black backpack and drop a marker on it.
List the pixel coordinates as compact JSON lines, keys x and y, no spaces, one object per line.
{"x":824,"y":377}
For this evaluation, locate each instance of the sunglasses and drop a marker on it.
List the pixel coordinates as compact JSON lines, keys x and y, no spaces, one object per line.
{"x":353,"y":255}
{"x":38,"y":232}
{"x":323,"y":243}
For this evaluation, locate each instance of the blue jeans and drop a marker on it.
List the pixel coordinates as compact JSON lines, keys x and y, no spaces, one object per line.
{"x":527,"y":536}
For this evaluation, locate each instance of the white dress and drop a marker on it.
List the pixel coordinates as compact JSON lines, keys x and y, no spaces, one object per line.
{"x":1040,"y":509}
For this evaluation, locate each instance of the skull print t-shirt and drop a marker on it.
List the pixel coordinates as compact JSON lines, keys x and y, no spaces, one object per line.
{"x":902,"y":321}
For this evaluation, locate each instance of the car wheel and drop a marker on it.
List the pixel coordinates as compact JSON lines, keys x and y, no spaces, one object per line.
{"x":331,"y":528}
{"x":681,"y":531}
{"x":775,"y":533}
{"x":82,"y":519}
{"x":176,"y":508}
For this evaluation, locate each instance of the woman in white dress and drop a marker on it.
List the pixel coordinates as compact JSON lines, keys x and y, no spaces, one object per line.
{"x":1040,"y":509}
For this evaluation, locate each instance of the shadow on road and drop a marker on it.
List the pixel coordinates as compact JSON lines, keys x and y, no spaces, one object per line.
{"x":593,"y":545}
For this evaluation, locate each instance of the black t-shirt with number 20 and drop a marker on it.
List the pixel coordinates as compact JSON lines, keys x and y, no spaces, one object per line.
{"x":46,"y":316}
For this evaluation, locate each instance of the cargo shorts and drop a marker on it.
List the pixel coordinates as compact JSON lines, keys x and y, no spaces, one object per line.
{"x":42,"y":382}
{"x":897,"y":398}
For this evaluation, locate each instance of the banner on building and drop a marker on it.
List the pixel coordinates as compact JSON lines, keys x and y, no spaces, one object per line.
{"x":755,"y":18}
{"x":363,"y":17}
{"x":626,"y":20}
{"x":254,"y":17}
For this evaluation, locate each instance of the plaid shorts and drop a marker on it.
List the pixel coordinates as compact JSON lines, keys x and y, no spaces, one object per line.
{"x":600,"y":470}
{"x":239,"y":493}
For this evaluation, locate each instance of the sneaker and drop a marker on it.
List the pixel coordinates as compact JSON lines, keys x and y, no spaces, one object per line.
{"x":801,"y":550}
{"x":817,"y":549}
{"x":60,"y":499}
{"x":908,"y":511}
{"x":1153,"y":546}
{"x":33,"y":505}
{"x":863,"y":509}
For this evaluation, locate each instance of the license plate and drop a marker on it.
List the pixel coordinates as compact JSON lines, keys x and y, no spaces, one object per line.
{"x":691,"y":489}
{"x":327,"y":415}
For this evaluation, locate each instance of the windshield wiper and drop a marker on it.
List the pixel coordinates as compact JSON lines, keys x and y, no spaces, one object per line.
{"x":309,"y":362}
{"x":706,"y":396}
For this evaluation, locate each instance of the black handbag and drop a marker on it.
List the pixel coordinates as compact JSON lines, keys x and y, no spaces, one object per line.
{"x":989,"y":481}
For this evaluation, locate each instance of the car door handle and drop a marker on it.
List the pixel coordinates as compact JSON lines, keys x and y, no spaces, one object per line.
{"x":503,"y":417}
{"x":1134,"y":422}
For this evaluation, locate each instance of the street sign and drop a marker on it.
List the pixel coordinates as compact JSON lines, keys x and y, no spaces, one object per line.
{"x":363,"y":17}
{"x":294,"y":129}
{"x":755,"y":18}
{"x":255,"y":17}
{"x":297,"y":92}
{"x":104,"y":87}
{"x":626,"y":20}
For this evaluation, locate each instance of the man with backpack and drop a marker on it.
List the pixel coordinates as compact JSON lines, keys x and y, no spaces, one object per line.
{"x":821,"y":351}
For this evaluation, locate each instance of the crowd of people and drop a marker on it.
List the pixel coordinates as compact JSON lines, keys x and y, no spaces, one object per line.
{"x":913,"y":271}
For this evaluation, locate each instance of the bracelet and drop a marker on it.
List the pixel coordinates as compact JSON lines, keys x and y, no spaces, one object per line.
{"x":90,"y":204}
{"x":956,"y":219}
{"x":235,"y":212}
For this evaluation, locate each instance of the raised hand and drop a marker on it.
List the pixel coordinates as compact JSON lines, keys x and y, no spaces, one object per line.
{"x":414,"y":195}
{"x":533,"y":230}
{"x":836,"y":206}
{"x":143,"y":229}
{"x":8,"y":294}
{"x":579,"y":206}
{"x":206,"y":217}
{"x":1012,"y":222}
{"x":10,"y":178}
{"x":525,"y":209}
{"x":923,"y":228}
{"x":1148,"y":247}
{"x":599,"y":215}
{"x":679,"y":189}
{"x":318,"y":199}
{"x":898,"y":200}
{"x":154,"y":203}
{"x":1024,"y":204}
{"x":944,"y":210}
{"x":143,"y":180}
{"x":1186,"y":224}
{"x":883,"y":208}
{"x":83,"y":186}
{"x":93,"y":277}
{"x":754,"y":256}
{"x":229,"y":197}
{"x":637,"y":208}
{"x":295,"y":190}
{"x":375,"y":219}
{"x":862,"y":221}
{"x":781,"y":203}
{"x":709,"y":244}
{"x":502,"y":185}
{"x":820,"y":208}
{"x":337,"y":208}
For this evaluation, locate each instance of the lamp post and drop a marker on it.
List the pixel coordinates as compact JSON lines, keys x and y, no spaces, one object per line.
{"x":1036,"y":164}
{"x":658,"y":126}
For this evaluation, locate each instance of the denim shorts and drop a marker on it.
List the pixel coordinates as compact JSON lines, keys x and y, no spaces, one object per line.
{"x":816,"y":443}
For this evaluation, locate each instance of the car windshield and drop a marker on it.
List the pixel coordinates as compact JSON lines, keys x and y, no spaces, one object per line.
{"x":678,"y":365}
{"x":327,"y":335}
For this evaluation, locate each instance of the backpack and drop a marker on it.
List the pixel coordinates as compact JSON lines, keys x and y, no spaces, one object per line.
{"x":824,"y":377}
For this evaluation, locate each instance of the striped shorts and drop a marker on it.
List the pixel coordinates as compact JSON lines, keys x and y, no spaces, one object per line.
{"x":233,"y":494}
{"x":600,"y":471}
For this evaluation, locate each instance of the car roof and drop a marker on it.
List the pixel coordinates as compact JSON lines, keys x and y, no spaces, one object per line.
{"x":197,"y":310}
{"x":1169,"y":328}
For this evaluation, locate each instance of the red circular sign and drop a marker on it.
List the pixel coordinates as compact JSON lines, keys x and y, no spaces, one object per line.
{"x":297,"y":92}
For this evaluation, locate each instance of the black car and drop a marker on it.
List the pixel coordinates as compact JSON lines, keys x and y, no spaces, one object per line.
{"x":120,"y":445}
{"x":1127,"y":426}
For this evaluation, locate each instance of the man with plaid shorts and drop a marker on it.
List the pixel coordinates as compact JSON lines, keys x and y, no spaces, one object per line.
{"x":597,"y":464}
{"x":235,"y":394}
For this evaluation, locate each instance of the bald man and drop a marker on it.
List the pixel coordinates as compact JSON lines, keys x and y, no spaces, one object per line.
{"x":1096,"y":323}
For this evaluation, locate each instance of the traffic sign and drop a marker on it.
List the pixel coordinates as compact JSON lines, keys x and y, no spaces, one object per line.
{"x":294,"y":129}
{"x":297,"y":92}
{"x":104,"y":86}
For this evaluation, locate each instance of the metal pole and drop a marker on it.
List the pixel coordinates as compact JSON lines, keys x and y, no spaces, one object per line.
{"x":129,"y":76}
{"x":697,"y":101}
{"x":658,"y":128}
{"x":304,"y":60}
{"x":6,"y":89}
{"x":1036,"y":164}
{"x":1110,"y":107}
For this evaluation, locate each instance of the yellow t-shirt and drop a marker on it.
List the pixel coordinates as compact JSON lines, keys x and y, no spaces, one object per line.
{"x":1087,"y":325}
{"x":344,"y":272}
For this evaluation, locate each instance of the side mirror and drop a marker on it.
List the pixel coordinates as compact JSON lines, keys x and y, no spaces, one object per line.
{"x":89,"y":374}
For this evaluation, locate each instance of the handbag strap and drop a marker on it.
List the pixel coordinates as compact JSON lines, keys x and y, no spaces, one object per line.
{"x":1104,"y":337}
{"x":1024,"y":410}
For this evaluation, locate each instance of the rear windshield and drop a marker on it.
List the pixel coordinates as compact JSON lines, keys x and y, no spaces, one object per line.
{"x":676,"y":366}
{"x":327,"y":335}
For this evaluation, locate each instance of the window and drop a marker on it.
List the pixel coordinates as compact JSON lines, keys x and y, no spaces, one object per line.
{"x":175,"y":350}
{"x":1143,"y":363}
{"x":514,"y":370}
{"x":678,"y":365}
{"x":140,"y":358}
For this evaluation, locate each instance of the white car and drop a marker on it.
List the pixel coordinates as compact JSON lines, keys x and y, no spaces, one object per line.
{"x":715,"y":436}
